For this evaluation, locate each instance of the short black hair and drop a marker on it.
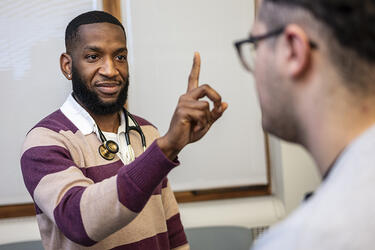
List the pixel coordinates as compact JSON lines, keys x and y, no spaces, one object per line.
{"x":351,"y":21}
{"x":71,"y":32}
{"x":346,"y":26}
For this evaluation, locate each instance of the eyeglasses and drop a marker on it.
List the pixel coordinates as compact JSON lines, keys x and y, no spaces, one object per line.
{"x":246,"y":49}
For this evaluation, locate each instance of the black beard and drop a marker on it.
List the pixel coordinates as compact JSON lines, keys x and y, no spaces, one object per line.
{"x":90,"y":100}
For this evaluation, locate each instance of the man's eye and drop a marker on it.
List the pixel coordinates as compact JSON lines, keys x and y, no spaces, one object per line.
{"x":92,"y":57}
{"x":122,"y":57}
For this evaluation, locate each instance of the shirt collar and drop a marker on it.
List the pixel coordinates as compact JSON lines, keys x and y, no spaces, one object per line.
{"x":78,"y":116}
{"x":356,"y":147}
{"x":83,"y":120}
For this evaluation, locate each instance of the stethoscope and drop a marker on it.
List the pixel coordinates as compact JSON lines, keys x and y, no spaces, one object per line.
{"x":109,"y":148}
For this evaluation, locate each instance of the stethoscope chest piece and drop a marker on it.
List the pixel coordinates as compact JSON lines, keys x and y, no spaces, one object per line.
{"x":108,"y":150}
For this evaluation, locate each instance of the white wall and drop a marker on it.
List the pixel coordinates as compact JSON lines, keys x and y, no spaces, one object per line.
{"x":18,"y":229}
{"x":300,"y":174}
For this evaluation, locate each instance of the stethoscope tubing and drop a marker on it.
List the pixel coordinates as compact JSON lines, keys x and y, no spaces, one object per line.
{"x":109,"y":148}
{"x":136,"y":128}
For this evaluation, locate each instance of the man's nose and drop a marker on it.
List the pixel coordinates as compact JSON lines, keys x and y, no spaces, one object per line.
{"x":109,"y":69}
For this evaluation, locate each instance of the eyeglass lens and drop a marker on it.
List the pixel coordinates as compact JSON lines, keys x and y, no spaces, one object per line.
{"x":247,"y":54}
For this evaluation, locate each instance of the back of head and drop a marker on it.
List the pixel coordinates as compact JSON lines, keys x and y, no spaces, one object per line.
{"x":347,"y":27}
{"x":71,"y":32}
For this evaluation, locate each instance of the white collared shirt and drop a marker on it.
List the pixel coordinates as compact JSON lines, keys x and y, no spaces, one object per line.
{"x":86,"y":124}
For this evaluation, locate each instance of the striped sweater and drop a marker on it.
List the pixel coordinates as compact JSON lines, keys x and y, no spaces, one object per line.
{"x":83,"y":201}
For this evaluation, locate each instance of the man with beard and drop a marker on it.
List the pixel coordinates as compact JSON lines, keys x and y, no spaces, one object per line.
{"x":315,"y":77}
{"x":86,"y":193}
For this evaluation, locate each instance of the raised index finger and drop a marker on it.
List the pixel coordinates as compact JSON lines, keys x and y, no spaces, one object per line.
{"x":194,"y":73}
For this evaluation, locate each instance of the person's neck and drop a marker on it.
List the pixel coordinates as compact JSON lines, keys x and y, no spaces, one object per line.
{"x":329,"y":132}
{"x":107,"y":123}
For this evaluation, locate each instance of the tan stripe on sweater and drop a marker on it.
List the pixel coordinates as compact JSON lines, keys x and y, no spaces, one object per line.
{"x":88,"y":146}
{"x":52,"y":188}
{"x":52,"y":236}
{"x":42,"y":137}
{"x":183,"y":247}
{"x":107,"y":215}
{"x":169,"y":201}
{"x":84,"y":148}
{"x":147,"y":224}
{"x":135,"y":231}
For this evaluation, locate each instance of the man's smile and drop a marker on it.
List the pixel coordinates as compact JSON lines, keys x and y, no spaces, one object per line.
{"x":108,"y":88}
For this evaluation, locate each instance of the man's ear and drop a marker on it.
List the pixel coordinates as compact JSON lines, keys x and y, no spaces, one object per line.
{"x":66,"y":65}
{"x":298,"y":50}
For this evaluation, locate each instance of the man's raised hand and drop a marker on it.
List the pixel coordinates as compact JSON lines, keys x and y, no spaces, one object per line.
{"x":192,"y":117}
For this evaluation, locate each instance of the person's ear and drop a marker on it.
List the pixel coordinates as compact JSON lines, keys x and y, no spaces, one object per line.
{"x":298,"y":50}
{"x":66,"y":65}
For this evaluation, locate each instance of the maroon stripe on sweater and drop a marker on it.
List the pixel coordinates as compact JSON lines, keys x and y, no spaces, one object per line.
{"x":142,"y":122}
{"x":102,"y":172}
{"x":138,"y":180}
{"x":157,"y":190}
{"x":157,"y":242}
{"x":68,"y":217}
{"x":176,"y":231}
{"x":57,"y":121}
{"x":38,"y":162}
{"x":164,"y":184}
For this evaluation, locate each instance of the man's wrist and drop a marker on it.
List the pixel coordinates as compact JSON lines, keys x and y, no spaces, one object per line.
{"x":167,"y":148}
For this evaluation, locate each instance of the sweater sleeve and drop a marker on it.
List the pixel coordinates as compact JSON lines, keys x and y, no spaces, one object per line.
{"x":176,"y":233}
{"x":84,"y":211}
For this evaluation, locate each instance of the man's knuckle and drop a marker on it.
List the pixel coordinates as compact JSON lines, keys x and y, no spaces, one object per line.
{"x":180,"y":111}
{"x":182,"y":98}
{"x":205,"y":86}
{"x":205,"y":105}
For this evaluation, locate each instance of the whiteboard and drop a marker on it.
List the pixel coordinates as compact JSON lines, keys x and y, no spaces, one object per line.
{"x":31,"y":41}
{"x":162,"y":37}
